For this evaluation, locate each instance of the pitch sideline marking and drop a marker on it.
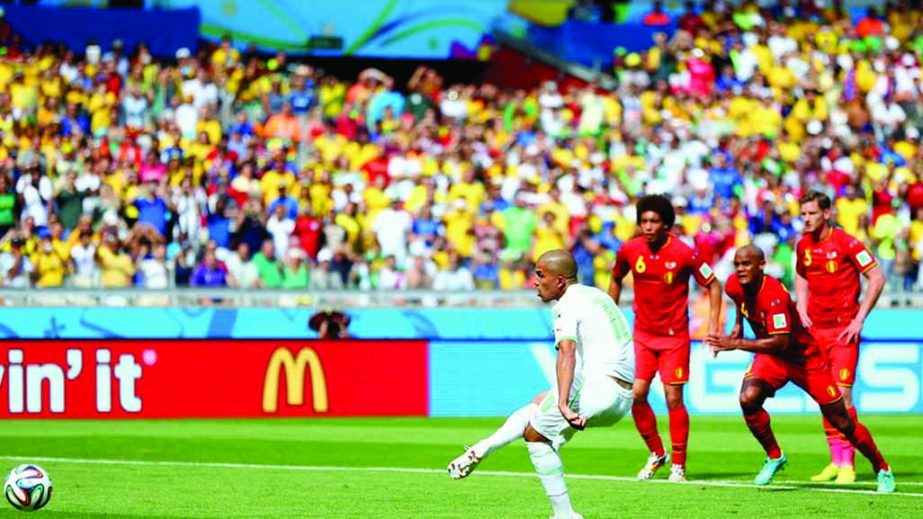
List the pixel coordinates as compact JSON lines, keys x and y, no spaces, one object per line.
{"x":784,"y":485}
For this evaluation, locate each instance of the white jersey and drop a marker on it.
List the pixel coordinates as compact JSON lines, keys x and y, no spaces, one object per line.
{"x":589,"y":317}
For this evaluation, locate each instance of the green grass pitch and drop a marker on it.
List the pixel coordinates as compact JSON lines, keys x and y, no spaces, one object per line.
{"x":396,"y":468}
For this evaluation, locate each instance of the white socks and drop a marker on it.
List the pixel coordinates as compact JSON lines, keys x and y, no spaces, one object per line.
{"x":511,"y":430}
{"x":550,"y":471}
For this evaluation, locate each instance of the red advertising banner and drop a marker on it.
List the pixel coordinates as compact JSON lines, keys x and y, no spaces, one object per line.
{"x":212,"y":378}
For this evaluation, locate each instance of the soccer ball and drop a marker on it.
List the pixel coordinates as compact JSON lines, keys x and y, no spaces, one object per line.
{"x":27,"y":487}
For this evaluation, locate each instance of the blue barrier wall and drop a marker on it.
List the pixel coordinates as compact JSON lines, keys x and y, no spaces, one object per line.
{"x":494,"y":379}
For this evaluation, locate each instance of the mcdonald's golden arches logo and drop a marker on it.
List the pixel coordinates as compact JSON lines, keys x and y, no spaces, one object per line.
{"x":294,"y":380}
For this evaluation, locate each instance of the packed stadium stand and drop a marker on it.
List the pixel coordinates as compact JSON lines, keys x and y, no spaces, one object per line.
{"x":228,"y":167}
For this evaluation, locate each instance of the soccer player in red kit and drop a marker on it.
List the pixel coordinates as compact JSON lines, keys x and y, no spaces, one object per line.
{"x":785,"y":352}
{"x":661,"y":265}
{"x":827,"y":284}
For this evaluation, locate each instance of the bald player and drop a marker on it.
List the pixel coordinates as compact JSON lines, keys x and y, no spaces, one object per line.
{"x":784,"y":351}
{"x":594,"y":374}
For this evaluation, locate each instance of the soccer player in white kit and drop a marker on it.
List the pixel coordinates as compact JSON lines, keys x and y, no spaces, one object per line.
{"x":593,"y":385}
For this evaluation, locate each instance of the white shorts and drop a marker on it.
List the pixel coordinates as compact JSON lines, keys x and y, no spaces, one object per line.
{"x":601,"y":400}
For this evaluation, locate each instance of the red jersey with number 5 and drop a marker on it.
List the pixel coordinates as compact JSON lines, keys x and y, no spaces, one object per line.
{"x":661,"y":283}
{"x":832,"y":267}
{"x":771,"y":312}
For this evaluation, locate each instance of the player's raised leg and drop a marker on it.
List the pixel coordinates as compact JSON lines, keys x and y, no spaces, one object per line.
{"x":511,"y":430}
{"x":753,"y":394}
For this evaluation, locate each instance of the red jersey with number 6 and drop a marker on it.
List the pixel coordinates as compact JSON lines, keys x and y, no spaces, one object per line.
{"x":832,"y":267}
{"x":661,"y":283}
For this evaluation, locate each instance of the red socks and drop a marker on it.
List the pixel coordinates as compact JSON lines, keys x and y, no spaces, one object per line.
{"x":646,"y":423}
{"x":679,"y":434}
{"x":758,"y":423}
{"x":862,"y":439}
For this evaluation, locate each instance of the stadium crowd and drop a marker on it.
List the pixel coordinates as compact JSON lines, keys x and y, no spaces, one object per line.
{"x":228,"y":168}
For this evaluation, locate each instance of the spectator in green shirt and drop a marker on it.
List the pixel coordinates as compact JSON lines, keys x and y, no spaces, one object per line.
{"x":295,"y":272}
{"x":268,"y":266}
{"x":518,"y":225}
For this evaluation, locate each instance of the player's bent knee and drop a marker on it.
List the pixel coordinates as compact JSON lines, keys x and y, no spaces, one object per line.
{"x":750,"y":401}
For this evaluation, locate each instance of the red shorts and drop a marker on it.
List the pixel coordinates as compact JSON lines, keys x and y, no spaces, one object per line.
{"x":666,"y":355}
{"x":813,"y":376}
{"x":843,"y":356}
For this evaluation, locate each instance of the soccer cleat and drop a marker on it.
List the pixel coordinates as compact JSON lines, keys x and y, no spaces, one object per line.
{"x":463,"y":465}
{"x":829,"y":473}
{"x":574,"y":515}
{"x":847,"y":475}
{"x":770,"y":467}
{"x":654,"y":462}
{"x":885,"y":482}
{"x":677,"y":474}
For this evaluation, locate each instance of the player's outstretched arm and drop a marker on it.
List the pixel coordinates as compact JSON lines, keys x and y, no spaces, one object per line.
{"x":567,"y":362}
{"x":777,"y":343}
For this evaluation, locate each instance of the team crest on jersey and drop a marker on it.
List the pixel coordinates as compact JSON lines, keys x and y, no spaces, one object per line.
{"x":831,"y":266}
{"x":779,"y":321}
{"x":668,"y":278}
{"x":705,"y":270}
{"x":864,"y":259}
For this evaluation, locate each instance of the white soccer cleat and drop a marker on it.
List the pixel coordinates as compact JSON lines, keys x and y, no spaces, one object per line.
{"x":654,"y":462}
{"x":677,"y":474}
{"x":463,"y":465}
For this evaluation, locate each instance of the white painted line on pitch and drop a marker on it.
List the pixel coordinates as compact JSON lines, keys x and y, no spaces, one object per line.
{"x":845,"y":485}
{"x":786,"y":485}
